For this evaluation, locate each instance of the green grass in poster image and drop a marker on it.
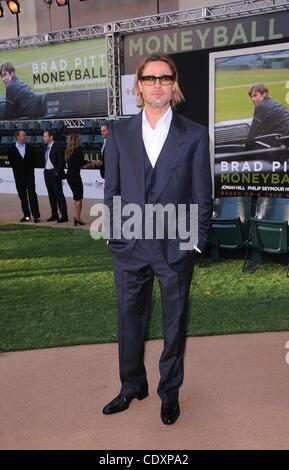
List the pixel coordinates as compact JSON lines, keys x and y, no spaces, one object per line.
{"x":23,"y":59}
{"x":232,"y":86}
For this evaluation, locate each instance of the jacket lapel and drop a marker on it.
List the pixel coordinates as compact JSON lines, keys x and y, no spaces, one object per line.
{"x":19,"y":154}
{"x":167,"y":159}
{"x":135,"y":151}
{"x":170,"y":154}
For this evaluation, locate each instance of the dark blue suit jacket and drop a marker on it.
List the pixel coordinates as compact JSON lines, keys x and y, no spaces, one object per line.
{"x":183,"y":176}
{"x":57,"y":158}
{"x":22,"y":166}
{"x":21,"y":102}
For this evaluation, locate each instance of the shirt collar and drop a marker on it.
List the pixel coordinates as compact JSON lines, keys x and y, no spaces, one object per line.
{"x":164,"y":120}
{"x":20,"y":145}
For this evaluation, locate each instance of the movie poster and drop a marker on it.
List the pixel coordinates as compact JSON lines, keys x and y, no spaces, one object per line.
{"x":249,"y":121}
{"x":58,"y":81}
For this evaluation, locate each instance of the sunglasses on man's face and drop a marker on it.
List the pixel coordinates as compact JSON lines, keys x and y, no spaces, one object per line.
{"x":163,"y":79}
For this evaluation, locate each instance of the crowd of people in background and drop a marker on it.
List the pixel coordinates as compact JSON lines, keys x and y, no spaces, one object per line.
{"x":59,"y":163}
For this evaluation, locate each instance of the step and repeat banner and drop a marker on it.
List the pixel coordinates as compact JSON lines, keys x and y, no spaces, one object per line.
{"x":58,"y":81}
{"x":249,"y":121}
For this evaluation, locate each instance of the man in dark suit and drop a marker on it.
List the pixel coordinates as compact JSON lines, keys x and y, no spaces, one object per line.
{"x":155,"y":157}
{"x":270,"y":117}
{"x":22,"y":159}
{"x":104,"y":130}
{"x":21,"y":102}
{"x":54,"y":164}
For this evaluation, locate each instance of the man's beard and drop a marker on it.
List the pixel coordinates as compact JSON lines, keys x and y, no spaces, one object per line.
{"x":158,"y":104}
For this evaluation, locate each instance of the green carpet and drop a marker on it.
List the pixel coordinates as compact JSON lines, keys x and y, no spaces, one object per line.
{"x":57,"y":289}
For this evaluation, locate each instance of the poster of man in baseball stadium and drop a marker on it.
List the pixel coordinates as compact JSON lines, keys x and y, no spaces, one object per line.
{"x":58,"y":81}
{"x":249,"y":121}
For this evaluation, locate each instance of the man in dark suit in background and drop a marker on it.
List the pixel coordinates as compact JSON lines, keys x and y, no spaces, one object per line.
{"x":23,"y":161}
{"x":155,"y":157}
{"x":54,"y":164}
{"x":104,"y":130}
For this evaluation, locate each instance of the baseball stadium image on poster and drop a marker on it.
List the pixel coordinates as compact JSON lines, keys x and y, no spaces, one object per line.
{"x":58,"y":81}
{"x":249,"y":121}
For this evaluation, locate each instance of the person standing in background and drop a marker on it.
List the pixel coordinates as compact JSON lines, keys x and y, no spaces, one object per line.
{"x":104,"y":130}
{"x":75,"y":161}
{"x":53,"y":175}
{"x":23,"y":161}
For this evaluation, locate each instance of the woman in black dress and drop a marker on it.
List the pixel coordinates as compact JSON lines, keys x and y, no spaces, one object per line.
{"x":75,"y":161}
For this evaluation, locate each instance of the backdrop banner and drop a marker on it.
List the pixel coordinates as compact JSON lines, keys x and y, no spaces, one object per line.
{"x":250,"y":133}
{"x":54,"y":82}
{"x":209,"y":35}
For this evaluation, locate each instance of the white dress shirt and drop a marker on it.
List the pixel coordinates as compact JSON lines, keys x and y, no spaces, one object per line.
{"x":21,"y":149}
{"x":154,"y":139}
{"x":48,"y":165}
{"x":103,"y":146}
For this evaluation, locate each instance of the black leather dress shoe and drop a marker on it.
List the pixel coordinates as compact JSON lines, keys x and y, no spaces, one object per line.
{"x":62,"y":219}
{"x":170,"y":413}
{"x":36,"y":220}
{"x":52,"y":218}
{"x":25,"y":219}
{"x":122,"y":402}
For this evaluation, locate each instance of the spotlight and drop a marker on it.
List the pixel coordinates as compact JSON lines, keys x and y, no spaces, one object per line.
{"x":13,"y":6}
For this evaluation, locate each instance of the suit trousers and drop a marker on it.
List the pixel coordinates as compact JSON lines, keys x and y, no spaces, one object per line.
{"x":134,"y":285}
{"x":55,"y":193}
{"x":25,"y":185}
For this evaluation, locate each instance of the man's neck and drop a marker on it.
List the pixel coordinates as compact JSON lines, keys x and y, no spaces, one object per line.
{"x":154,"y":114}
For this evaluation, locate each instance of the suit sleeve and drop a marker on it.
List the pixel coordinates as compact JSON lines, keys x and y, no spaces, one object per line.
{"x":33,"y":156}
{"x":257,"y":123}
{"x":11,"y":156}
{"x":112,"y":177}
{"x":60,"y":159}
{"x":201,"y":188}
{"x":10,"y":106}
{"x":102,"y":168}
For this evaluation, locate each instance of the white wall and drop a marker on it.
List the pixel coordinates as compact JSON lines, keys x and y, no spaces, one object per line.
{"x":93,"y":184}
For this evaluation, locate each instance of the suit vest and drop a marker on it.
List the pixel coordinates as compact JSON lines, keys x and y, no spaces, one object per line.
{"x":150,"y":177}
